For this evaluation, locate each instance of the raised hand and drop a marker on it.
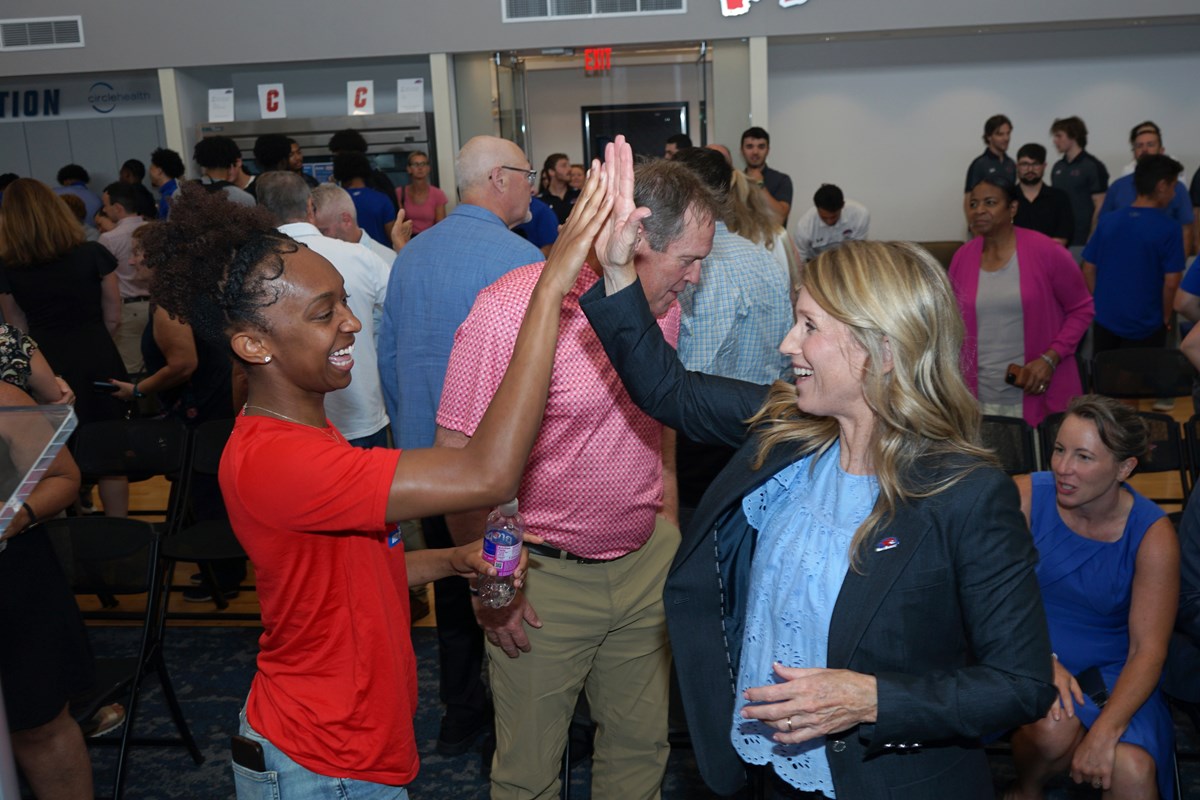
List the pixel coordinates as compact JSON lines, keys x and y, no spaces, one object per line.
{"x":575,"y":238}
{"x":616,"y":243}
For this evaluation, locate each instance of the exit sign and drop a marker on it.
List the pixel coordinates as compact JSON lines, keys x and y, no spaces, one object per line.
{"x":597,"y":59}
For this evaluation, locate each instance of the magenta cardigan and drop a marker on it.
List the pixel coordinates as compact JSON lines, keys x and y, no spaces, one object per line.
{"x":1057,"y":312}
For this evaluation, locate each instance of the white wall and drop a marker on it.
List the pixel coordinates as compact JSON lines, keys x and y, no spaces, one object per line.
{"x":895,"y":123}
{"x":557,"y":95}
{"x":235,"y":31}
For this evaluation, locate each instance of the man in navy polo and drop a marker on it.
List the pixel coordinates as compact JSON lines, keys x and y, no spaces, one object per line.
{"x":1080,"y":175}
{"x":776,"y":186}
{"x":997,"y":132}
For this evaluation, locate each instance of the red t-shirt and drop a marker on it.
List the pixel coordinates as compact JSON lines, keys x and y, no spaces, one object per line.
{"x":336,"y":686}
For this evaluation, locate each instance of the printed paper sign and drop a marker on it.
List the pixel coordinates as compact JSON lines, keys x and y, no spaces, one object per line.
{"x":220,"y":105}
{"x":360,"y":97}
{"x":270,"y":101}
{"x":410,"y":95}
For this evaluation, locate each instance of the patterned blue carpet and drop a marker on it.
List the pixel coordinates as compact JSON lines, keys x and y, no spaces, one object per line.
{"x":212,"y":667}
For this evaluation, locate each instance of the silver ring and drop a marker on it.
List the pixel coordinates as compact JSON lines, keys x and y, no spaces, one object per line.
{"x":1096,"y":784}
{"x":788,"y":721}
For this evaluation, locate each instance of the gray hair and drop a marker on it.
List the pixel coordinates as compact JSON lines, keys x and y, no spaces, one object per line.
{"x":329,"y":199}
{"x":284,"y":194}
{"x":671,"y":190}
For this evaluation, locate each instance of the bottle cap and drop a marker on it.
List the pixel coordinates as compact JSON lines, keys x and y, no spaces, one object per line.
{"x":509,"y":508}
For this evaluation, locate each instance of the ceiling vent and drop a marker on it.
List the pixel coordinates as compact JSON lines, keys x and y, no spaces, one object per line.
{"x":525,"y":10}
{"x":49,"y":33}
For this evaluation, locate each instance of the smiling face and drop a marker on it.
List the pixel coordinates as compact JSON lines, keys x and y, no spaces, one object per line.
{"x":311,"y":336}
{"x":998,"y":141}
{"x":989,"y":210}
{"x":664,"y":275}
{"x":827,"y":363}
{"x":1084,"y":468}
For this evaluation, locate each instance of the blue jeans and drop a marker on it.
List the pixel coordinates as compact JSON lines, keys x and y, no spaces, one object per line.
{"x":287,"y":780}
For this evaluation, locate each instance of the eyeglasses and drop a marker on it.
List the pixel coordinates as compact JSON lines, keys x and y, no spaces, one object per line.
{"x":530,"y":174}
{"x":418,"y":163}
{"x":1028,"y":164}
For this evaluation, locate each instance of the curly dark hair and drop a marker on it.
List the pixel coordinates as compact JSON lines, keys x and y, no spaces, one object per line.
{"x":214,"y":263}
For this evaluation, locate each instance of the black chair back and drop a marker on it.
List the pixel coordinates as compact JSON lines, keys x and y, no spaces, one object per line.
{"x":1142,"y":372}
{"x":1011,"y":439}
{"x":137,"y":449}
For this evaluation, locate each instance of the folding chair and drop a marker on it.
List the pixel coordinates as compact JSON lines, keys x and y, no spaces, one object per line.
{"x":1047,"y":430}
{"x":206,"y":535}
{"x":120,"y":556}
{"x":137,"y":449}
{"x":1191,"y":446}
{"x":1011,"y":439}
{"x":1166,"y":453}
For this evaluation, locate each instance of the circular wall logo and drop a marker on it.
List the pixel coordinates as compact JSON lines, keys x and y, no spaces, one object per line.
{"x":102,"y":97}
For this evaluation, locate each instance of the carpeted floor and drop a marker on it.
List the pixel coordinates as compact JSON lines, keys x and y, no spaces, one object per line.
{"x":212,"y":668}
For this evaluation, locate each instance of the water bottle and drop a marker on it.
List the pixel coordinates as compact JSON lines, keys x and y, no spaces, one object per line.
{"x":502,"y":547}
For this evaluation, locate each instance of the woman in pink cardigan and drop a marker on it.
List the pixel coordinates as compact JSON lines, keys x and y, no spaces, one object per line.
{"x":1025,"y":307}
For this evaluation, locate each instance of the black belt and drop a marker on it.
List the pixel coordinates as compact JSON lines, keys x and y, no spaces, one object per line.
{"x":546,"y":551}
{"x":145,"y":298}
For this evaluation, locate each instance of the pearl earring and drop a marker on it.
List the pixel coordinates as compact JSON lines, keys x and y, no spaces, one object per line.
{"x":266,"y":359}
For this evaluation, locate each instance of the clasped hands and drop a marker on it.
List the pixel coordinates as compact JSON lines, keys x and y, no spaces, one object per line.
{"x":812,"y":702}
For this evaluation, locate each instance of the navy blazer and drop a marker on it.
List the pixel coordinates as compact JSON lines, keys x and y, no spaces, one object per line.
{"x":949,"y":621}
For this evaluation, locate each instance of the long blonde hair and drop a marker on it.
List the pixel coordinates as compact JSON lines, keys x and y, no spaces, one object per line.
{"x":748,"y":215}
{"x":900,"y":308}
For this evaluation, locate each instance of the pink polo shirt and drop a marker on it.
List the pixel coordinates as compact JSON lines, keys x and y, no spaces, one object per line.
{"x":593,"y":483}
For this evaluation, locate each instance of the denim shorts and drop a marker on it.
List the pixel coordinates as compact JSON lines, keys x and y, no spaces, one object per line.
{"x":287,"y":780}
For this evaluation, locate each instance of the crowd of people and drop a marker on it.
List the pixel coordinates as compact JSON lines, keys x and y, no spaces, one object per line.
{"x":746,"y":447}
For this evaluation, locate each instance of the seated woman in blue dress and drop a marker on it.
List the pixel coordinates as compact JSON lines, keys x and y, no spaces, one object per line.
{"x":1109,"y":575}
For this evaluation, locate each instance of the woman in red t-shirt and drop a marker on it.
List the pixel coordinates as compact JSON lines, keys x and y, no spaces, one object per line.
{"x":333,"y":697}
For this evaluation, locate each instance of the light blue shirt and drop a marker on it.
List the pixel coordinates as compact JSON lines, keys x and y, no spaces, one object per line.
{"x":806,"y":516}
{"x":432,"y":288}
{"x":733,"y":320}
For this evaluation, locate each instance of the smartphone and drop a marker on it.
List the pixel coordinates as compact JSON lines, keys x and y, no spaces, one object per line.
{"x":104,"y":386}
{"x":1091,"y":682}
{"x":248,"y":753}
{"x":1010,"y":377}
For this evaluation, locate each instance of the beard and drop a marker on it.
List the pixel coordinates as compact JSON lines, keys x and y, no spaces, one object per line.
{"x":1030,"y":180}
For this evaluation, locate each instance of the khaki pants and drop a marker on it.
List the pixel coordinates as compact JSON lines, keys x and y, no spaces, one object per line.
{"x":603,"y":631}
{"x":128,"y":338}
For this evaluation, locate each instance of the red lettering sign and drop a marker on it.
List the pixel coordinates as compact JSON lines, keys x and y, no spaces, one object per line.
{"x":273,"y":100}
{"x":360,"y":97}
{"x":597,"y":59}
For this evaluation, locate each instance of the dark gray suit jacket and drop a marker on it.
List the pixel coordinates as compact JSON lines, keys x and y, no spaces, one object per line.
{"x":949,"y":621}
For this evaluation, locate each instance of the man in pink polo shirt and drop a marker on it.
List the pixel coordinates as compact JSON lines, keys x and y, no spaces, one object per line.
{"x":592,"y":489}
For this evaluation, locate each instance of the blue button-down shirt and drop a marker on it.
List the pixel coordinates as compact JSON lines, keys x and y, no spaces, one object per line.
{"x":432,"y":288}
{"x":734,"y":319}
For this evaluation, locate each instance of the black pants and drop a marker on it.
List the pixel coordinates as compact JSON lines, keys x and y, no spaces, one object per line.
{"x":1104,"y":339}
{"x":460,"y":640}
